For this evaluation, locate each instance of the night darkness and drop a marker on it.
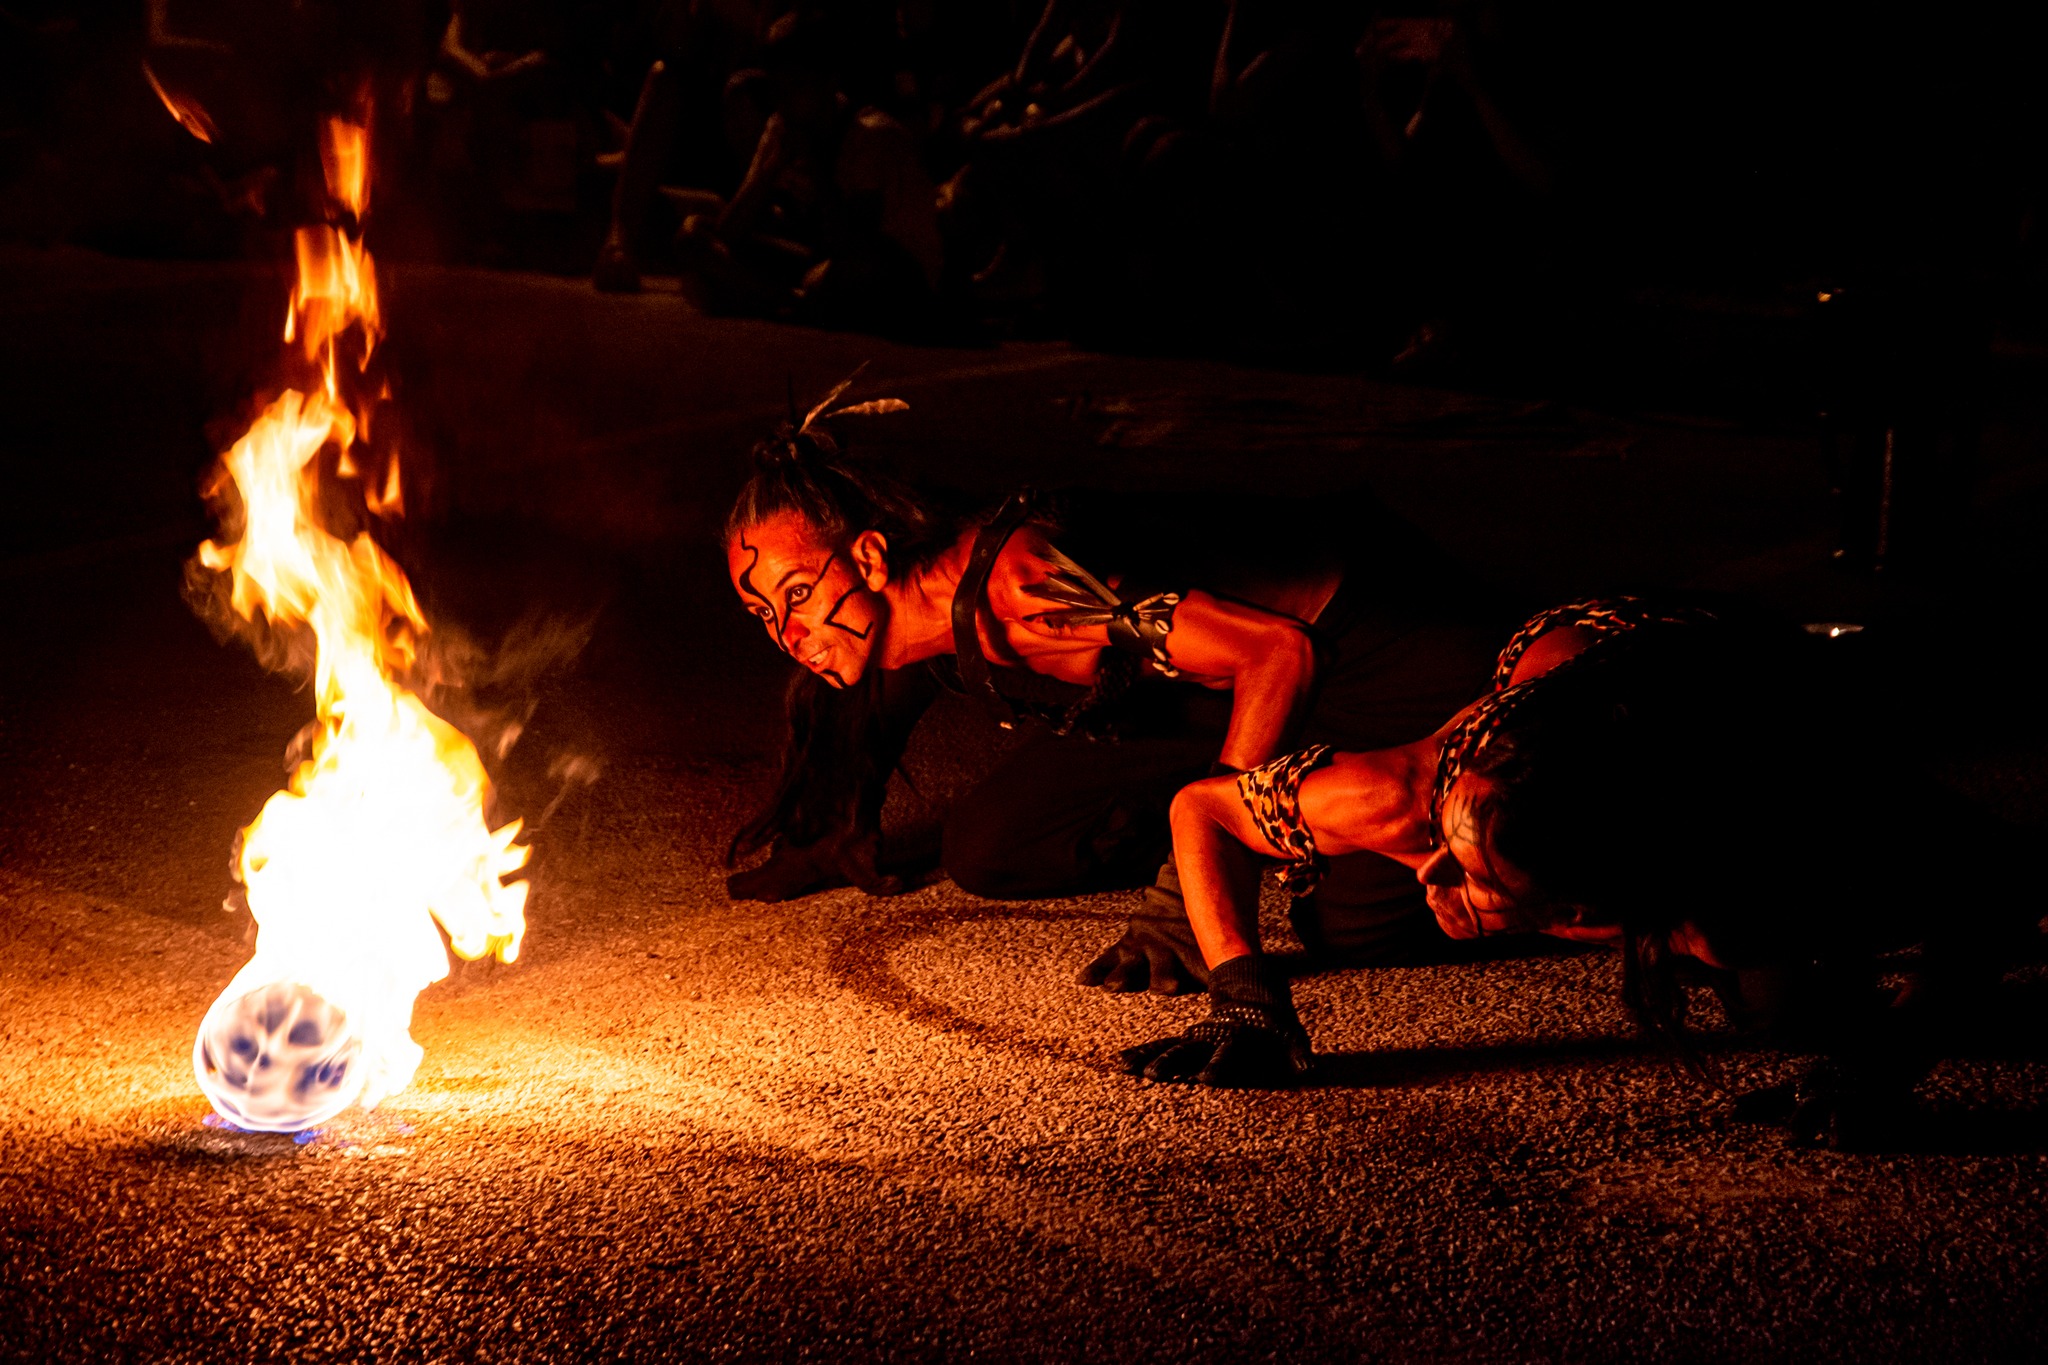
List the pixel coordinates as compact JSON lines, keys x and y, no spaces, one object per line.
{"x":1398,"y":713}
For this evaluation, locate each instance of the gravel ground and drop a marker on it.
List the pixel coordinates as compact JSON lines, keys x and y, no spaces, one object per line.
{"x":848,"y":1127}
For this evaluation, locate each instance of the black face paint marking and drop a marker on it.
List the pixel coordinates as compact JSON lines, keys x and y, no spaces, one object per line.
{"x":780,"y":618}
{"x":832,"y":616}
{"x":824,"y":568}
{"x":746,"y":582}
{"x":746,"y":579}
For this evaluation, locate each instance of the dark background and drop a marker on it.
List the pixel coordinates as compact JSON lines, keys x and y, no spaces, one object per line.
{"x":1797,"y":218}
{"x":1731,"y":158}
{"x":850,"y":1127}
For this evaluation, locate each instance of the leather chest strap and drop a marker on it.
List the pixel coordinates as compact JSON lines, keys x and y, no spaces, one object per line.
{"x":973,"y":665}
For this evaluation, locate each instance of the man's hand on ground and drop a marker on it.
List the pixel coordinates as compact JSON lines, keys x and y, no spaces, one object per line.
{"x":1227,"y":1053}
{"x":1252,"y":1037}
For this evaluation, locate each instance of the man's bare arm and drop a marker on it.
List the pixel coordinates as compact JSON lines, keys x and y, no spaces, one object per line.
{"x":1267,"y":660}
{"x":1213,"y":836}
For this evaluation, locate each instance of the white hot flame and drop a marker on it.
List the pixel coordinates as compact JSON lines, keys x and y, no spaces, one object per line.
{"x":380,"y":833}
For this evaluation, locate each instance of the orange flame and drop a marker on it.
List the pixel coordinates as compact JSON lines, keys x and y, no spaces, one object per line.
{"x":345,"y":156}
{"x":387,"y":497}
{"x":337,"y":290}
{"x":380,"y":832}
{"x":190,"y":116}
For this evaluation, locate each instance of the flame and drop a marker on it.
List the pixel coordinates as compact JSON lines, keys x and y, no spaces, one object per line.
{"x":380,"y":832}
{"x":337,"y":290}
{"x":190,"y":116}
{"x":345,"y":156}
{"x":387,"y":498}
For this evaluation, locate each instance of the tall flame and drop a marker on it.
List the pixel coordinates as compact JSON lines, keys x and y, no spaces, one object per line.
{"x":381,"y":831}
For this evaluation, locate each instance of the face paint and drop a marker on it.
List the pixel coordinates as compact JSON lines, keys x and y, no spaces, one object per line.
{"x":857,"y":592}
{"x":831,"y":675}
{"x":1470,"y":889}
{"x":745,"y":579}
{"x":856,"y":612}
{"x":811,"y":589}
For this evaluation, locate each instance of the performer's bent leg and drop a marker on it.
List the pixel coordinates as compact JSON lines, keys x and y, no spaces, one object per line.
{"x":1367,"y":911}
{"x":1390,"y":682}
{"x":1065,"y":816}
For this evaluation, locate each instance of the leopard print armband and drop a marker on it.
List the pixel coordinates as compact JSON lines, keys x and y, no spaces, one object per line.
{"x":1272,"y":793}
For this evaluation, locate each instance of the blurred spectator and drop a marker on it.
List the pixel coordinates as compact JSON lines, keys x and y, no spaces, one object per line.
{"x":1295,"y":175}
{"x":833,"y":220}
{"x":699,"y":111}
{"x":1447,"y":103}
{"x":1029,"y":209}
{"x":499,"y":135}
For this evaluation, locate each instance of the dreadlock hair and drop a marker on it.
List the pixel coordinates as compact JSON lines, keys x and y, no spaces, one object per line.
{"x":842,"y":742}
{"x":804,"y":470}
{"x":1571,"y":807}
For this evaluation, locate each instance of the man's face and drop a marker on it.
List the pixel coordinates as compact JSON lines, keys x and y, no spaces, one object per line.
{"x":1470,"y":888}
{"x":816,"y":603}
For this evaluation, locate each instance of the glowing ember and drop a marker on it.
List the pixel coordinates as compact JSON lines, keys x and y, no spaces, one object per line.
{"x":381,"y":831}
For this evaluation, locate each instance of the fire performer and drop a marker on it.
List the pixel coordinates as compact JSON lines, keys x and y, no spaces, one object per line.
{"x":883,"y":598}
{"x":1619,"y":786}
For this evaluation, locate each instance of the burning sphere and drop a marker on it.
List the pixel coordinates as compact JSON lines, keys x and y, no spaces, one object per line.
{"x":278,"y":1059}
{"x":379,"y":842}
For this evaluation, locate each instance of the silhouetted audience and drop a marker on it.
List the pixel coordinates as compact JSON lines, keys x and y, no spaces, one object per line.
{"x":1402,"y":182}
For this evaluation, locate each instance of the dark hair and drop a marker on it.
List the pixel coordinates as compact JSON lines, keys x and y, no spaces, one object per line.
{"x":842,"y":742}
{"x":1651,"y":784}
{"x":1577,"y":774}
{"x":805,"y":471}
{"x":842,"y":745}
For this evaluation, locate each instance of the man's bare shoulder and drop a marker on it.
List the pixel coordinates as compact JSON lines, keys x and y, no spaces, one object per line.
{"x":1363,"y":800}
{"x":1024,"y":562}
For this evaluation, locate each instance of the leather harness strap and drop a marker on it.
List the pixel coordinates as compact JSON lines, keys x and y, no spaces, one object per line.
{"x":972,"y":664}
